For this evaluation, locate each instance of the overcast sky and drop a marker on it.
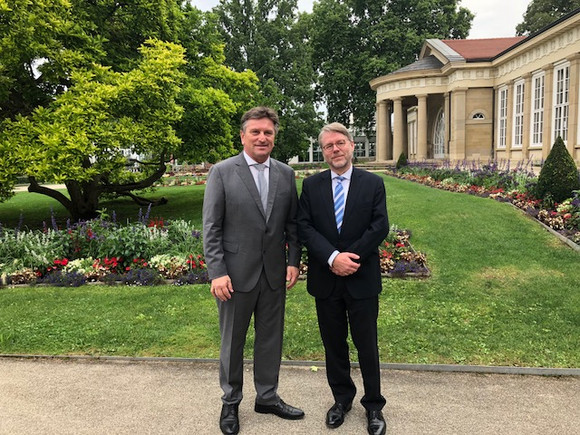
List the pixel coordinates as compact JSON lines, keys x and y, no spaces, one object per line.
{"x":493,"y":18}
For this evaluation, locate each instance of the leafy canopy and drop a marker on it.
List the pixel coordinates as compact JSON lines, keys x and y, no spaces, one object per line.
{"x":269,"y":38}
{"x":541,"y":13}
{"x":354,"y":41}
{"x":86,"y":84}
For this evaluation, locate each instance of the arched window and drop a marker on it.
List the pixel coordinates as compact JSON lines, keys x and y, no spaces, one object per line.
{"x":478,"y":115}
{"x":439,"y":136}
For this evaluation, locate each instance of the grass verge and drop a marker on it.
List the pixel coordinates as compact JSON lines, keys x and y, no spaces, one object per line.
{"x":503,"y":291}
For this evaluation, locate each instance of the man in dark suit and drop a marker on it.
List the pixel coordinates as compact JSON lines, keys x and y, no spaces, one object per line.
{"x":342,"y":219}
{"x":249,"y":218}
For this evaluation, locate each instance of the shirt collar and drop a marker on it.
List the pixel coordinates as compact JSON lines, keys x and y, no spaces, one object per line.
{"x":250,"y":161}
{"x":347,"y":174}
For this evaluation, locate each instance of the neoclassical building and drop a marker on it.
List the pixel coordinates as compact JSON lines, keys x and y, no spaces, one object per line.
{"x":501,"y":98}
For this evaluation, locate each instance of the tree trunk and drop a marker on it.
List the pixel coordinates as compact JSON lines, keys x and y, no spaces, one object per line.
{"x":84,"y":197}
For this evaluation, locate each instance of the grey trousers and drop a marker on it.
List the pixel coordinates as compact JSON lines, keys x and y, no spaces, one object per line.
{"x":267,"y":305}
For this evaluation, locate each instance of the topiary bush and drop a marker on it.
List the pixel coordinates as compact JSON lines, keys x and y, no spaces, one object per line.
{"x":402,"y":161}
{"x":559,"y":175}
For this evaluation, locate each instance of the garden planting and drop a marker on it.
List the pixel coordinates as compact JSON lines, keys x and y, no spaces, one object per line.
{"x":148,"y":251}
{"x":498,"y":181}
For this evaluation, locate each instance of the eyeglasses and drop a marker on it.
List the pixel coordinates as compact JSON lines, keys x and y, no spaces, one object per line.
{"x":330,"y":146}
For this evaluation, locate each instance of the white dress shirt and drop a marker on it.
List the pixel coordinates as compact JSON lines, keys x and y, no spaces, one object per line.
{"x":251,"y":163}
{"x":345,"y":186}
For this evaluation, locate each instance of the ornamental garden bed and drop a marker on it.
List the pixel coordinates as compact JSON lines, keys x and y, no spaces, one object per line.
{"x":146,"y":252}
{"x":502,"y":184}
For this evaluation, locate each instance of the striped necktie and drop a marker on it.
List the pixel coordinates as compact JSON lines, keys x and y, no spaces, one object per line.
{"x":339,"y":202}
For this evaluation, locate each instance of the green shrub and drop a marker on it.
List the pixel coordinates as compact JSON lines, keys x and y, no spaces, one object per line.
{"x":402,"y":161}
{"x":559,"y":175}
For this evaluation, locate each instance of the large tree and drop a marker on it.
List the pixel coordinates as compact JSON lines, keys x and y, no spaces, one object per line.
{"x":540,"y":13}
{"x":214,"y":96}
{"x":81,"y":138}
{"x":72,"y":103}
{"x":267,"y":37}
{"x":355,"y":41}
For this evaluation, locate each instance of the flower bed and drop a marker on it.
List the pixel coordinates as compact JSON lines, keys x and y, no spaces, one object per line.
{"x":146,"y":252}
{"x":397,"y":256}
{"x":502,"y":184}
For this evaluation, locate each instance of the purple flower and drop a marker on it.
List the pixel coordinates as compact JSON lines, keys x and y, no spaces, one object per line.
{"x":53,"y":220}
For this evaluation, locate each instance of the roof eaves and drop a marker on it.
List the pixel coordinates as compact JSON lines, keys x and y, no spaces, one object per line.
{"x":450,"y":54}
{"x":539,"y":32}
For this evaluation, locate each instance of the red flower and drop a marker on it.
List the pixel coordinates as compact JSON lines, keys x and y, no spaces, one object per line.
{"x":156,"y":223}
{"x":62,"y":262}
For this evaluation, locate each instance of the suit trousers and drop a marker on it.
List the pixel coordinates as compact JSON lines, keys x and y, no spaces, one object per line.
{"x":267,"y":305}
{"x":335,"y":314}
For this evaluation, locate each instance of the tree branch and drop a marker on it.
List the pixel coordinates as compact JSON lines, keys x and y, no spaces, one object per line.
{"x":34,"y":187}
{"x":146,"y":182}
{"x":144,"y":201}
{"x":143,"y":163}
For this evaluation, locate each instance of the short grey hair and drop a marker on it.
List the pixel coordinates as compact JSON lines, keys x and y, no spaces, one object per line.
{"x":335,"y":127}
{"x":259,"y":113}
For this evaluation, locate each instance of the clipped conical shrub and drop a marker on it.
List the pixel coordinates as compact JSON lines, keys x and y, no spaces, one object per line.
{"x":559,"y":175}
{"x":402,"y":161}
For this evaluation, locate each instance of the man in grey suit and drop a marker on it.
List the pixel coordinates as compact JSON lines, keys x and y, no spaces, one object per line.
{"x":252,"y":255}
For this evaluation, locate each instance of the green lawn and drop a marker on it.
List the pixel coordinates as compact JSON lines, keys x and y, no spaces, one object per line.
{"x":503,"y":291}
{"x":183,"y":203}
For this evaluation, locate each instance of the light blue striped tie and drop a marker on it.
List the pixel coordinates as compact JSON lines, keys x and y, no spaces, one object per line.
{"x":339,"y":202}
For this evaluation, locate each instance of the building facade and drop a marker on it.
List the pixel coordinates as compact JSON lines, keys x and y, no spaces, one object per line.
{"x":364,"y":149}
{"x":482,"y":99}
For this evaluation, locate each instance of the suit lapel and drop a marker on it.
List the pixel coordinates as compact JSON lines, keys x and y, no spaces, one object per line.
{"x":327,"y":196}
{"x":272,"y":186}
{"x":353,"y":193}
{"x":244,"y":172}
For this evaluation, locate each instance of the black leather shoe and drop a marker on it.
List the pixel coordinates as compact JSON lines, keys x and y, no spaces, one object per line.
{"x":335,"y":415}
{"x":377,"y":424}
{"x":280,"y":409}
{"x":229,"y":422}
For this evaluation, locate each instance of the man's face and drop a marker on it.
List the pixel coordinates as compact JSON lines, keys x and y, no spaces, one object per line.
{"x":258,"y":138}
{"x":337,"y":151}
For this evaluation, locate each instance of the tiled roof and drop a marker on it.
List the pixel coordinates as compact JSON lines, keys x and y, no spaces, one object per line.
{"x":428,"y":62}
{"x":481,"y":49}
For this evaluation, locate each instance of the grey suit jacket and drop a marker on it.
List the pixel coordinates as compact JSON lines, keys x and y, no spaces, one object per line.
{"x":239,"y":236}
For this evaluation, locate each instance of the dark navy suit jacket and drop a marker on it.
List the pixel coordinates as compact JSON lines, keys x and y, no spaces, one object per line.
{"x":365,"y":225}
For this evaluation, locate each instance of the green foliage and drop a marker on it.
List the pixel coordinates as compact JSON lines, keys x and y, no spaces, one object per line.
{"x":541,"y":13}
{"x":214,"y":96}
{"x":356,"y":41}
{"x":97,"y":239}
{"x":81,"y":137}
{"x":21,"y":249}
{"x":401,"y":161}
{"x":77,"y":93}
{"x":269,"y":39}
{"x":559,"y":175}
{"x":502,"y":295}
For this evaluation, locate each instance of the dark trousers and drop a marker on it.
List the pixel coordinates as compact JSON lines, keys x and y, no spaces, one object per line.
{"x":335,"y":314}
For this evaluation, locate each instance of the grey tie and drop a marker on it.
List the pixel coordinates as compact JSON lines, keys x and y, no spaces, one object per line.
{"x":262,"y":185}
